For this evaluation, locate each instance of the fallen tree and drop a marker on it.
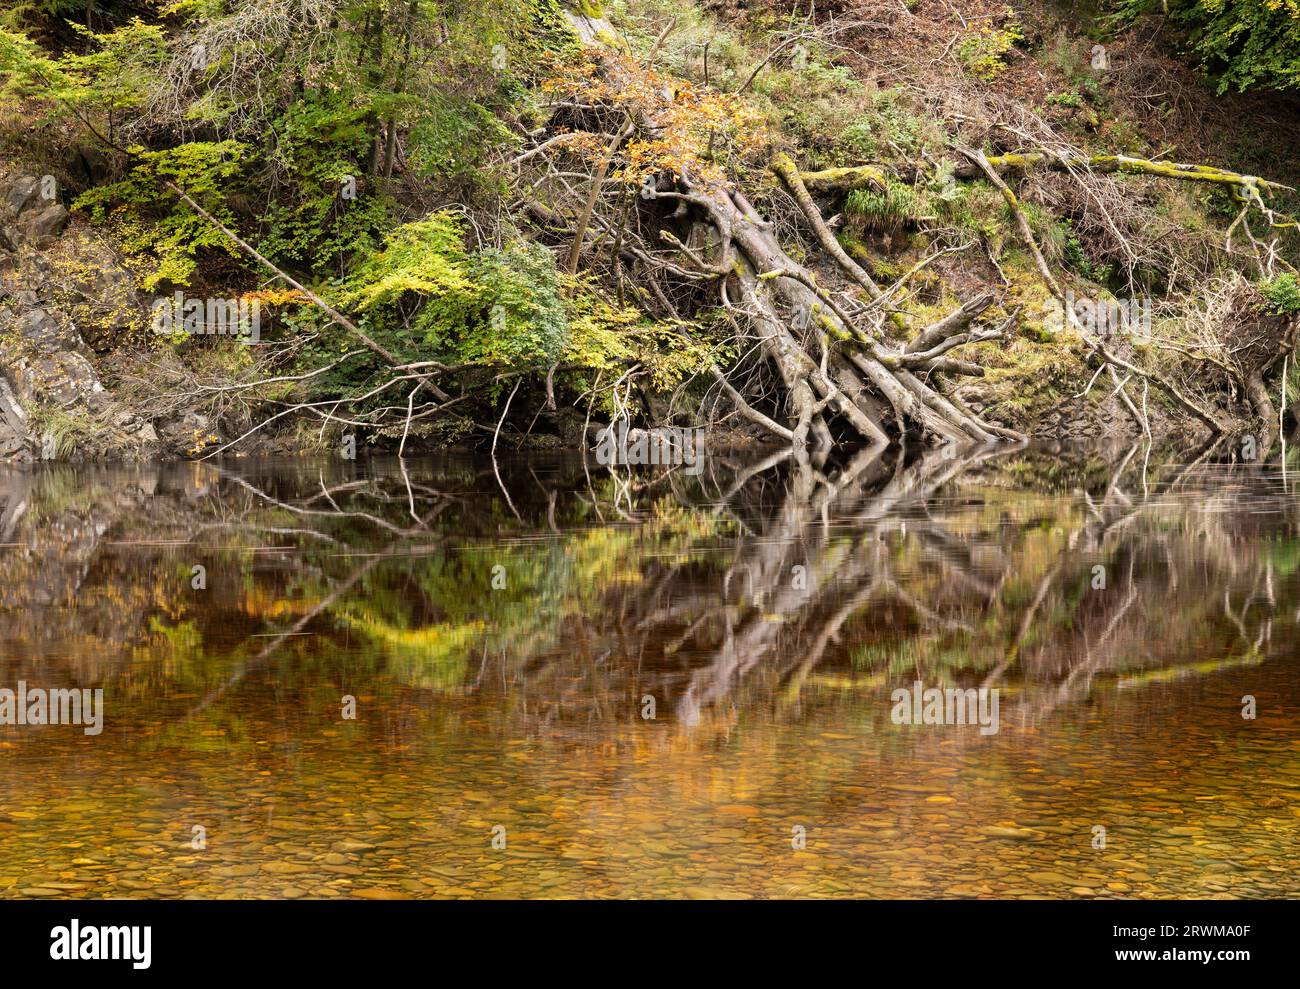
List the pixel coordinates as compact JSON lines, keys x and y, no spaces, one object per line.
{"x":849,"y":367}
{"x":861,"y":176}
{"x":844,"y":376}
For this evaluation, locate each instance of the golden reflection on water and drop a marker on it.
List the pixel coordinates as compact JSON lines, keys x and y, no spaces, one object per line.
{"x":500,"y":747}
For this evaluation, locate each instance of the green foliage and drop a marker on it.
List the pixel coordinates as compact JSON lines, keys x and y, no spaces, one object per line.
{"x":889,"y":210}
{"x":379,"y":91}
{"x":811,"y":103}
{"x":1071,"y":100}
{"x":154,"y":222}
{"x":887,"y":128}
{"x":495,"y":307}
{"x":69,"y":429}
{"x":503,"y":307}
{"x":320,"y":139}
{"x":526,"y":316}
{"x":1283,"y":295}
{"x":112,"y":76}
{"x":451,"y":136}
{"x":974,"y":206}
{"x":1284,"y":554}
{"x":604,"y":336}
{"x":61,"y":8}
{"x":1291,"y":382}
{"x":1239,"y":44}
{"x":1076,"y":257}
{"x":984,"y":53}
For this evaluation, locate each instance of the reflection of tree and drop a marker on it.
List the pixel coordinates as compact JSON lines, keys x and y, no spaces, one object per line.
{"x":913,"y":571}
{"x":745,"y":587}
{"x":1177,"y":556}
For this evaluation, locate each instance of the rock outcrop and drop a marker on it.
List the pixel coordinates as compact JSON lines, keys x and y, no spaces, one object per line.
{"x":29,"y":213}
{"x":52,"y":402}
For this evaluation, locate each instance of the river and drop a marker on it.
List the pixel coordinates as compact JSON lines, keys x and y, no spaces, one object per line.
{"x":449,"y":678}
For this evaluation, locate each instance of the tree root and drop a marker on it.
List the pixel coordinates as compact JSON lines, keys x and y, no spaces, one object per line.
{"x":841,"y":380}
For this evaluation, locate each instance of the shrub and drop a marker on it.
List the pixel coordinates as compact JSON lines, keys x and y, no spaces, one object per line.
{"x":1283,"y":295}
{"x":984,"y":53}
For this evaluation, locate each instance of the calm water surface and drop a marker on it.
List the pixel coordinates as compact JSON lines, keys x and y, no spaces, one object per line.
{"x":503,"y":634}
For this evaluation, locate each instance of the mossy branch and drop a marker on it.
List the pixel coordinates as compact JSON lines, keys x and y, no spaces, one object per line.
{"x":1246,"y":188}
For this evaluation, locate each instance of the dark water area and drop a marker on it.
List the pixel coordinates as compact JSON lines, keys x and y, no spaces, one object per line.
{"x":443,"y":678}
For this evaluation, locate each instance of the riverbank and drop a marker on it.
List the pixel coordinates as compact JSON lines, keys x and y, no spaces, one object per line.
{"x":963,"y":219}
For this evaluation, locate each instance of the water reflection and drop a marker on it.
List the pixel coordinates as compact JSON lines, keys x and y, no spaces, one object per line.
{"x":504,"y":633}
